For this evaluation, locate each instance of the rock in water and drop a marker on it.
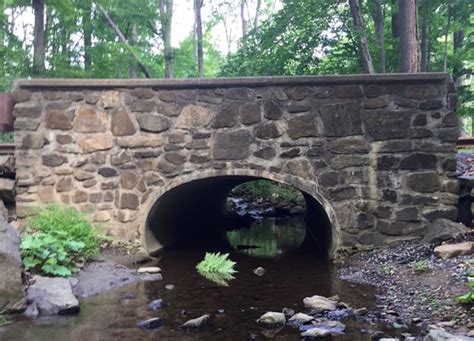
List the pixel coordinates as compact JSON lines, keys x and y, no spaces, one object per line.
{"x":453,"y":250}
{"x":156,"y":304}
{"x":152,"y":323}
{"x":319,"y":304}
{"x":259,"y":271}
{"x":272,"y":319}
{"x":444,"y":229}
{"x":12,"y":294}
{"x":316,"y":333}
{"x":196,"y":324}
{"x":53,"y":296}
{"x":442,"y":335}
{"x":149,"y":270}
{"x":299,"y":319}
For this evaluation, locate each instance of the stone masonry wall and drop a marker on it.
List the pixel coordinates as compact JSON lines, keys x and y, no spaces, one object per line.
{"x":380,"y":149}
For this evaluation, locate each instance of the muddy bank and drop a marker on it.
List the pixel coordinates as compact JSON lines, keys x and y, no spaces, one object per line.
{"x":416,"y":288}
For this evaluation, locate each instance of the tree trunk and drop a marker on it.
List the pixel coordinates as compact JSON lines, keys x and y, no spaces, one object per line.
{"x":257,"y":15}
{"x":200,"y":53}
{"x":166,"y":16}
{"x":364,"y":53}
{"x":408,"y":36}
{"x":133,"y":41}
{"x":446,"y":34}
{"x":424,"y":38}
{"x":38,"y":42}
{"x":377,"y":15}
{"x":243,"y":20}
{"x":87,"y":30}
{"x":122,"y":38}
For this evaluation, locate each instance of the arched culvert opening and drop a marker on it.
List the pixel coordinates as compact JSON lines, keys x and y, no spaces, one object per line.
{"x":197,"y":214}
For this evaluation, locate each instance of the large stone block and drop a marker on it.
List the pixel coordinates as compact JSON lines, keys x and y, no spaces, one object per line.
{"x":341,"y":119}
{"x":12,"y":293}
{"x":232,"y":145}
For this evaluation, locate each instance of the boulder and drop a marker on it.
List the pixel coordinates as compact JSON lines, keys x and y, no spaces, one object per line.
{"x":319,"y":304}
{"x":442,"y":335}
{"x":444,"y":229}
{"x":152,"y":323}
{"x":12,"y":294}
{"x":53,"y":296}
{"x":299,"y":319}
{"x":454,"y":250}
{"x":196,"y":324}
{"x":316,"y":333}
{"x":272,"y":319}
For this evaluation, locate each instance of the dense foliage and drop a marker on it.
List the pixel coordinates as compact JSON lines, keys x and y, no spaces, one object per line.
{"x":58,"y":240}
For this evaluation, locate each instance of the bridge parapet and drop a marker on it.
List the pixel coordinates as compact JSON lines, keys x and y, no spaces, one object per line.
{"x":378,"y":151}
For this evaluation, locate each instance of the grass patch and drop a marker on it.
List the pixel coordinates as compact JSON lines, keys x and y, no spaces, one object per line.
{"x":58,"y":240}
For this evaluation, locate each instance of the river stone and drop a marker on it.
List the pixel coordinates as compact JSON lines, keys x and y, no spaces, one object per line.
{"x":196,"y":324}
{"x":53,"y":296}
{"x":316,"y":333}
{"x":319,"y":303}
{"x":152,"y":323}
{"x":442,"y":335}
{"x":454,"y":250}
{"x":444,"y":229}
{"x":299,"y":319}
{"x":272,"y":319}
{"x":12,"y":294}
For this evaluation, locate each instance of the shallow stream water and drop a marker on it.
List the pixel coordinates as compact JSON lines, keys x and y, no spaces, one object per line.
{"x":290,"y":276}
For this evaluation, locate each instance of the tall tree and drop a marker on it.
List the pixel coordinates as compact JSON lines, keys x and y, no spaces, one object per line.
{"x":363,"y":44}
{"x":198,"y":29}
{"x":408,"y":36}
{"x":377,"y":15}
{"x":38,"y":42}
{"x":166,"y":16}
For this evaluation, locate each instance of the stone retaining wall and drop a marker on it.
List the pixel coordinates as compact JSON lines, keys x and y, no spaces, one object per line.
{"x":377,"y":151}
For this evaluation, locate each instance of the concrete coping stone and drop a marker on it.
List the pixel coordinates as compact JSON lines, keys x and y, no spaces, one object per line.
{"x":197,"y":83}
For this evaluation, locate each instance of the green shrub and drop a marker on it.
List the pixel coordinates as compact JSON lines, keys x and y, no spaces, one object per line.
{"x":420,"y":266}
{"x":58,"y":238}
{"x":217,"y":268}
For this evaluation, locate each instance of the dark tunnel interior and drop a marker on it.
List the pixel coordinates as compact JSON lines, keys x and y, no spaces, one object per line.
{"x":194,"y":215}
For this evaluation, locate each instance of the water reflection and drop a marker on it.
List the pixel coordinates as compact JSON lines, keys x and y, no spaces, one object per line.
{"x":269,"y":237}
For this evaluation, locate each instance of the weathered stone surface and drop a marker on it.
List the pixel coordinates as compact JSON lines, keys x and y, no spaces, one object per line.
{"x":454,"y":250}
{"x":121,"y":124}
{"x":226,"y":117}
{"x":153,"y":123}
{"x":88,"y":120}
{"x":58,"y":119}
{"x":250,"y":113}
{"x":387,"y":125}
{"x":272,"y":319}
{"x":95,"y":143}
{"x":267,"y":131}
{"x":12,"y":293}
{"x":52,"y":296}
{"x":349,"y":145}
{"x":341,"y":119}
{"x":302,"y":126}
{"x":272,"y":110}
{"x":231,"y":145}
{"x":423,"y":182}
{"x":193,"y":117}
{"x":419,"y":161}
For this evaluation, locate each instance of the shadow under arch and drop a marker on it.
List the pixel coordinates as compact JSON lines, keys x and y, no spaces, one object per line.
{"x":192,"y":207}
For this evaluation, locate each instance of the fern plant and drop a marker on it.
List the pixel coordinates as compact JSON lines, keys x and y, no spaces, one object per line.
{"x":217,"y":268}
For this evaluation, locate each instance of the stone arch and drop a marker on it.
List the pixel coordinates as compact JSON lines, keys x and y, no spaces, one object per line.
{"x":308,"y":188}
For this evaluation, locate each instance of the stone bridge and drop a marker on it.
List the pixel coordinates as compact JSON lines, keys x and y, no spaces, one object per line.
{"x":374,"y":155}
